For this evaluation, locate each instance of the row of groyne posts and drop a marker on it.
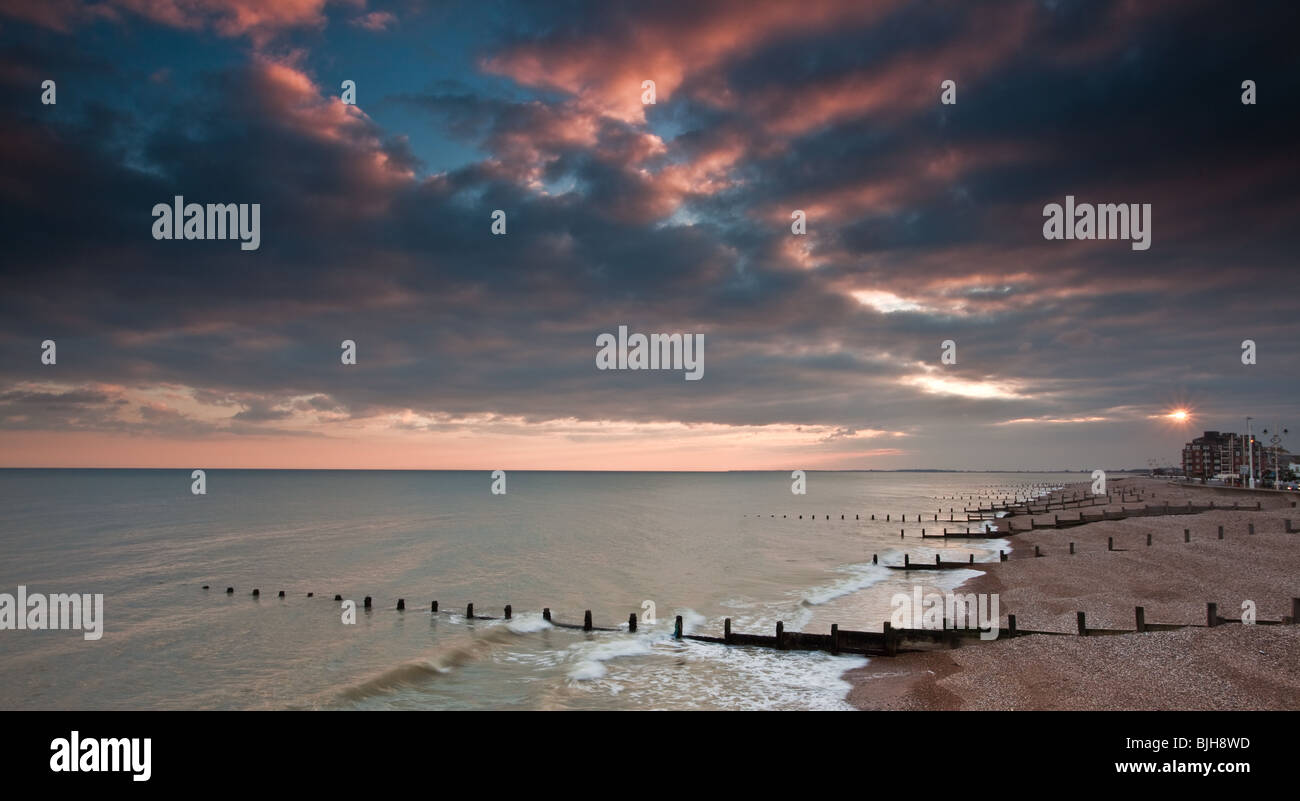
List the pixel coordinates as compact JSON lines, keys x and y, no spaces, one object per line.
{"x":890,"y":640}
{"x":981,"y":513}
{"x":887,"y":642}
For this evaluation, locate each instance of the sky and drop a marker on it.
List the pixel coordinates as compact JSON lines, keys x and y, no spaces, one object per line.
{"x":924,"y":223}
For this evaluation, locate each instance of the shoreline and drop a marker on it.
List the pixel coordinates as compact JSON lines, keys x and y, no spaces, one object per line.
{"x":1230,"y":666}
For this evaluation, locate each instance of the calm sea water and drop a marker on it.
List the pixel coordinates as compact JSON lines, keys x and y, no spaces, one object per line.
{"x":700,"y":545}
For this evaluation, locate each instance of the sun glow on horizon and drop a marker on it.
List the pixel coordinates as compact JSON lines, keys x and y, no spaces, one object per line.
{"x":1178,"y":416}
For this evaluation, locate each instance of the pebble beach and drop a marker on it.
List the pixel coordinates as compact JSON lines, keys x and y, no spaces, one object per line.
{"x":1229,"y":666}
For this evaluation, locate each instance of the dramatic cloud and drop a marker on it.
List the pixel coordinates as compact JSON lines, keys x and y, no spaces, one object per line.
{"x":923,"y":224}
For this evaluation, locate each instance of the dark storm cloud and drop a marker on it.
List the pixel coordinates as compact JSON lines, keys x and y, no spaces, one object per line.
{"x":611,"y":223}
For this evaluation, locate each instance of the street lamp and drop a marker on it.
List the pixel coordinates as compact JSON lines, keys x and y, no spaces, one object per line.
{"x":1274,"y":441}
{"x":1250,"y":452}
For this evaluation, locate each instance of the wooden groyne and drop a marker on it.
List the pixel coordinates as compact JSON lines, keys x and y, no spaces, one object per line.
{"x":891,"y":641}
{"x":1006,"y":525}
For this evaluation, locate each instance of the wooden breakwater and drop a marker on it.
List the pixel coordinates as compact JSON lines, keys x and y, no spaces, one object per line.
{"x":1006,"y":525}
{"x":979,"y":513}
{"x":891,"y":641}
{"x":938,"y":564}
{"x":888,"y":641}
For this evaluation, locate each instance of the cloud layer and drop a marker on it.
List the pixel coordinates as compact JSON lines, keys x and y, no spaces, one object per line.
{"x":924,"y":224}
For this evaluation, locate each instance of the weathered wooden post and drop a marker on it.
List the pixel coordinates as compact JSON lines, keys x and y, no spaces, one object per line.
{"x":401,"y":604}
{"x":337,"y":597}
{"x":508,"y":611}
{"x":907,"y":560}
{"x":1250,"y":528}
{"x":433,"y":608}
{"x":891,"y":645}
{"x":937,"y":563}
{"x":1187,"y":535}
{"x":546,"y":614}
{"x":1002,"y":556}
{"x":281,"y":594}
{"x":1288,"y":526}
{"x":1220,"y":532}
{"x":1110,"y":543}
{"x":469,"y":611}
{"x":875,"y":559}
{"x":586,"y":620}
{"x":677,"y":628}
{"x":1011,"y":625}
{"x":1083,"y":628}
{"x":1211,"y":614}
{"x":230,"y":590}
{"x":367,"y":602}
{"x":1148,"y":538}
{"x":972,"y":559}
{"x":1036,"y":551}
{"x":780,"y":635}
{"x":726,"y":630}
{"x":310,"y":594}
{"x":1295,"y":610}
{"x":1072,"y":549}
{"x":835,"y":638}
{"x":1140,"y":615}
{"x":631,"y":623}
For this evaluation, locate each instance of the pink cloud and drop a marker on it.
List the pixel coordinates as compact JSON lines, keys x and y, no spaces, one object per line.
{"x":605,"y":70}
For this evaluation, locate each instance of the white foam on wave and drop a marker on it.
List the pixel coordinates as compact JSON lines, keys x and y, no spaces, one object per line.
{"x":692,"y":621}
{"x":593,"y":656}
{"x":528,"y":624}
{"x":998,"y":545}
{"x":860,"y":577}
{"x":742,"y":678}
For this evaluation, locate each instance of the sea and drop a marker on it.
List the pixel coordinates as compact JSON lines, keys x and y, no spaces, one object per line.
{"x":705,"y":546}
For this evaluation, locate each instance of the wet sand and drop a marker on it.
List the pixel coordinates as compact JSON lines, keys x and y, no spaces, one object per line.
{"x":1231,"y":666}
